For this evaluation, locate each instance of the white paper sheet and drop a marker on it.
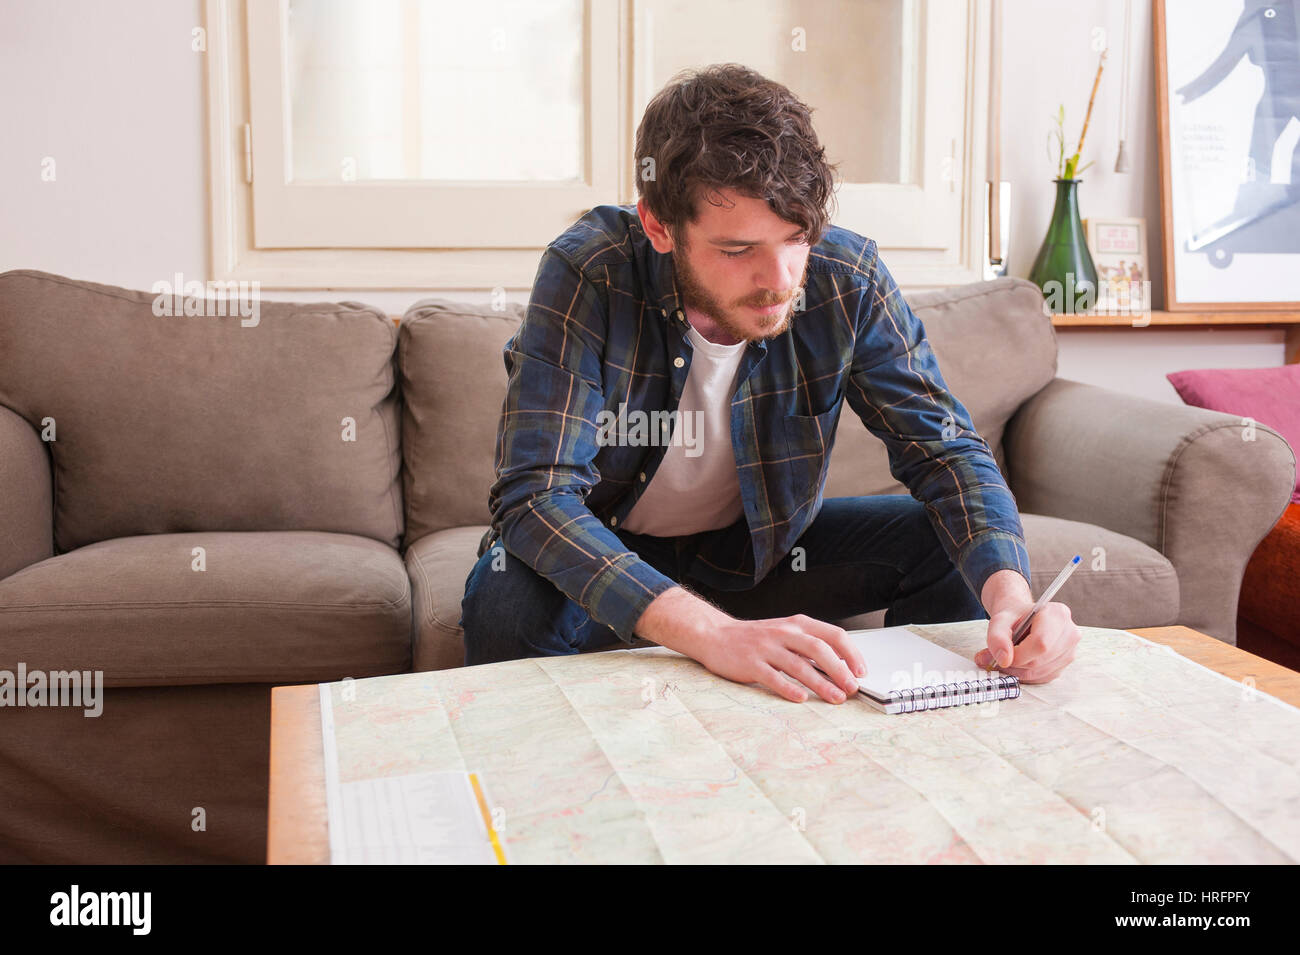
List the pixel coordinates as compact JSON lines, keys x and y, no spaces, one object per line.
{"x":427,"y":818}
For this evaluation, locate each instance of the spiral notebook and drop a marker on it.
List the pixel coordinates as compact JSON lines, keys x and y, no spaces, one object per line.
{"x":906,"y":672}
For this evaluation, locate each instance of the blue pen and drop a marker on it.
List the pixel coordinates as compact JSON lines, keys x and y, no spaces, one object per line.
{"x":1022,"y":628}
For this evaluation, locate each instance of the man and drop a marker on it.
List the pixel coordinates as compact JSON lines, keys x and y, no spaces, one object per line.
{"x":673,"y":395}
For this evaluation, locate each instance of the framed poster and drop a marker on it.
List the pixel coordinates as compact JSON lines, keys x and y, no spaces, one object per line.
{"x":1228,"y":105}
{"x":1119,"y":251}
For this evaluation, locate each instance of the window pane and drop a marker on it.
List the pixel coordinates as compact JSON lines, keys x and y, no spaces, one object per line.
{"x":854,"y":62}
{"x":435,"y":90}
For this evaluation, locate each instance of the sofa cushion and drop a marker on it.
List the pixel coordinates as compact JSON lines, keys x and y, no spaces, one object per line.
{"x":1270,"y":396}
{"x":274,"y":607}
{"x":1121,"y":583}
{"x":995,"y":347}
{"x":1134,"y":587}
{"x":453,"y":388}
{"x":439,"y":565}
{"x":994,"y":343}
{"x":166,"y":424}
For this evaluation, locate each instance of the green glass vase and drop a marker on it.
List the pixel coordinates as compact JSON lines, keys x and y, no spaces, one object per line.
{"x":1064,"y":269}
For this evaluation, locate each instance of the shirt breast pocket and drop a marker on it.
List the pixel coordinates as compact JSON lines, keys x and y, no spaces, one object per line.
{"x":808,"y":441}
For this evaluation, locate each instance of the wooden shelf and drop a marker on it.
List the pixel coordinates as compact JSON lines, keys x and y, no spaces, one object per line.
{"x":1207,"y":320}
{"x":1186,"y":319}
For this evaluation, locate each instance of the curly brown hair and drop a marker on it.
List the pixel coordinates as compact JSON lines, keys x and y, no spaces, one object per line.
{"x":728,"y":126}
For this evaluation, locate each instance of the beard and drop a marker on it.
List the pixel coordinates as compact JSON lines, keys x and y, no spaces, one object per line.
{"x":737,"y":321}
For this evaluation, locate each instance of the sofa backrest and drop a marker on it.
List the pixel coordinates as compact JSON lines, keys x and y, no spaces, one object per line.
{"x":172,"y":423}
{"x":453,"y":379}
{"x":995,"y":345}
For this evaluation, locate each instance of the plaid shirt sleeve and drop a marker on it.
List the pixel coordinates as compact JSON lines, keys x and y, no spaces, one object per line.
{"x":546,"y":445}
{"x":896,"y":388}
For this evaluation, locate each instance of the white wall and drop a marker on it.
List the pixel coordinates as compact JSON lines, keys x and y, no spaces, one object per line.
{"x":112,"y":92}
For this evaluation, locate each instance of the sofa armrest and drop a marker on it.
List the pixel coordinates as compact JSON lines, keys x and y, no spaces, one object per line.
{"x":1199,"y":486}
{"x":26,"y":495}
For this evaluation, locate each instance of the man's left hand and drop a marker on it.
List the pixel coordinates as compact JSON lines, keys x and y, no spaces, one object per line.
{"x":1049,"y":646}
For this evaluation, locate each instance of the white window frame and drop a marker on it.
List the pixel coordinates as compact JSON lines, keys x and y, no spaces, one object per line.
{"x":930,"y":232}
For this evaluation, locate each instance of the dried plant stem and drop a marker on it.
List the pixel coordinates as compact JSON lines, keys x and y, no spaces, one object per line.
{"x":1096,"y":81}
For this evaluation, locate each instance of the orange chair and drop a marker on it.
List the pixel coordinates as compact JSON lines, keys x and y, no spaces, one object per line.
{"x":1268,"y":613}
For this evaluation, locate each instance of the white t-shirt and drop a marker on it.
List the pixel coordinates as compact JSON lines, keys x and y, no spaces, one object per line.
{"x":696,"y":488}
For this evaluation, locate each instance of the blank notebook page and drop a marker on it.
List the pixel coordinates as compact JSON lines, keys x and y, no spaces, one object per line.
{"x":899,"y":659}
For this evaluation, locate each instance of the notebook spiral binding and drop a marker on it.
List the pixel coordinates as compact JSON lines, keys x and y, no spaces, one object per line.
{"x":957,"y":694}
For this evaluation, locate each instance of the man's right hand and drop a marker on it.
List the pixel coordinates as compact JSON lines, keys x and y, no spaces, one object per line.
{"x":757,"y":651}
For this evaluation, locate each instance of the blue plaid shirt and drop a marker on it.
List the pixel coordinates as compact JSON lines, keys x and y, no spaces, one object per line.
{"x":605,"y":327}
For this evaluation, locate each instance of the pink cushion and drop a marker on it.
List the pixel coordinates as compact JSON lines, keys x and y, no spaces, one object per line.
{"x":1271,"y":396}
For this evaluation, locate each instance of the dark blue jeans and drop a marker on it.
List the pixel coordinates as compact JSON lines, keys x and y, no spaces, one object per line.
{"x":860,"y":554}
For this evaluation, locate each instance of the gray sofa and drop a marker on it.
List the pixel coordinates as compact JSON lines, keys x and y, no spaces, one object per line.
{"x":203,"y":511}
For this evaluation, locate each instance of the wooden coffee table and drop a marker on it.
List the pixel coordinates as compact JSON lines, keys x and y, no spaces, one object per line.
{"x":298,"y":833}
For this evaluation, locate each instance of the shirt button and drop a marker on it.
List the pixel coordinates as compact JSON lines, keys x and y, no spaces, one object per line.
{"x":642,"y":477}
{"x":679,"y":361}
